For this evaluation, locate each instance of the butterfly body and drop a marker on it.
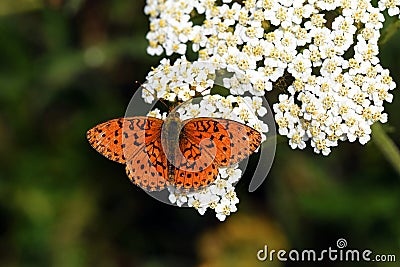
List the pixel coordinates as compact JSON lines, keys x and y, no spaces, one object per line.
{"x":172,"y":127}
{"x":185,"y":154}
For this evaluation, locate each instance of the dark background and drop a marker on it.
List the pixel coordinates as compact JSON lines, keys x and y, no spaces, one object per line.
{"x":66,"y":66}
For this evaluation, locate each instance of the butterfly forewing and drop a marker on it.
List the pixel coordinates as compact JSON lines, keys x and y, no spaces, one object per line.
{"x":148,"y":168}
{"x":233,"y":140}
{"x":244,"y":140}
{"x":106,"y":138}
{"x":135,"y":142}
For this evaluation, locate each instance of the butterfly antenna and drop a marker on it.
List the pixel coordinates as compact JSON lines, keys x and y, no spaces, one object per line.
{"x":200,"y":92}
{"x":141,"y":85}
{"x":163,"y":102}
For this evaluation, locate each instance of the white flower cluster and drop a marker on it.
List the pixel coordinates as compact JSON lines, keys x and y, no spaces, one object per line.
{"x":392,"y":6}
{"x":220,"y":195}
{"x":329,"y":47}
{"x":178,"y":82}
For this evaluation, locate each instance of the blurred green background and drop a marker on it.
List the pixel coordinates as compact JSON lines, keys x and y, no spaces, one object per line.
{"x":68,"y":65}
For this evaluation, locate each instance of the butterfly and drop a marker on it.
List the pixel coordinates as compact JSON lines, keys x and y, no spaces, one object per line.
{"x":186,"y":154}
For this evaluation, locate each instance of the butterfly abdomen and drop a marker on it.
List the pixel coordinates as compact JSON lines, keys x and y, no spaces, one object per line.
{"x":171,"y":172}
{"x":171,"y":129}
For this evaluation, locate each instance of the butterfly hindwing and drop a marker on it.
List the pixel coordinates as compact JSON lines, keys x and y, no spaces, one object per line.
{"x":144,"y":174}
{"x":195,"y":180}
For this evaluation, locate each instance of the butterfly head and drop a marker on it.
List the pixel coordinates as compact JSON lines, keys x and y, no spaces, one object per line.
{"x":175,"y":115}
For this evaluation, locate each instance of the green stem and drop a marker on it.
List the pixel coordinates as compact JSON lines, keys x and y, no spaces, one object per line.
{"x":388,"y":32}
{"x":387,"y":146}
{"x":381,"y":139}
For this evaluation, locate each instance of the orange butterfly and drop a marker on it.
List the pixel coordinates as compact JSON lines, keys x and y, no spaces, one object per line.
{"x":193,"y":148}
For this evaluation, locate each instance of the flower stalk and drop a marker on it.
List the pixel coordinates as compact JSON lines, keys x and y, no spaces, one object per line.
{"x":382,"y":140}
{"x":389,"y":31}
{"x":386,"y":146}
